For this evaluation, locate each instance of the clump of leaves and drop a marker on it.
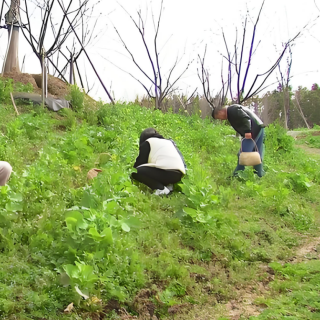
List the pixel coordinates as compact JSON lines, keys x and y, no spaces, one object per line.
{"x":76,"y":97}
{"x":297,"y":290}
{"x":6,"y":86}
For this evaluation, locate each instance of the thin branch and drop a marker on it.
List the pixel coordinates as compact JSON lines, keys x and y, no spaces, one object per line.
{"x":251,"y":48}
{"x":106,"y":90}
{"x":155,"y":45}
{"x":133,"y":59}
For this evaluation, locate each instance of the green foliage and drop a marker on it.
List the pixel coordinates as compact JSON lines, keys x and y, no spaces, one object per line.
{"x":20,"y":87}
{"x":310,"y":137}
{"x":109,"y":238}
{"x":77,"y":98}
{"x":6,"y":86}
{"x":309,"y":102}
{"x":277,"y":139}
{"x":297,"y":290}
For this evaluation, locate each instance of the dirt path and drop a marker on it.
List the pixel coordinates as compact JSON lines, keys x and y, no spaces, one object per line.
{"x":295,"y":134}
{"x":302,"y":134}
{"x":313,"y":151}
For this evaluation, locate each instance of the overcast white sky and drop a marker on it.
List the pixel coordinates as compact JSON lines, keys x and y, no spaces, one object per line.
{"x":186,"y":27}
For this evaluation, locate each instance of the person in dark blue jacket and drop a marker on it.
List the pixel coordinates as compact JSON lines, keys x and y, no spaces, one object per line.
{"x":249,"y":126}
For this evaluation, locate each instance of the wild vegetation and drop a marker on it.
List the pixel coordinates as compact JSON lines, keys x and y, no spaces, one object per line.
{"x":116,"y":251}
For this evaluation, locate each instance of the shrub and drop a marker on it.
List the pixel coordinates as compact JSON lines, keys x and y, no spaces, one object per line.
{"x":76,"y":98}
{"x":6,"y":86}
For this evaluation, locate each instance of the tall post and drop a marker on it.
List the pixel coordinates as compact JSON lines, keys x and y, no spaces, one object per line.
{"x":71,"y":69}
{"x":44,"y":76}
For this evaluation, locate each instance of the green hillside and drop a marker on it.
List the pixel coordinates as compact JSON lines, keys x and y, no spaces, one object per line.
{"x":117,"y":251}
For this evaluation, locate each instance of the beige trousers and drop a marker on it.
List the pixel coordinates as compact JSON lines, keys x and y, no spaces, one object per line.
{"x":5,"y":172}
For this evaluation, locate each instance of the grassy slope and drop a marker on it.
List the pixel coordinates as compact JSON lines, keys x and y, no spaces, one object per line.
{"x":194,"y":249}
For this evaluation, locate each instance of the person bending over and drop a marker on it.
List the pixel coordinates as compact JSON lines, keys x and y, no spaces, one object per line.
{"x":5,"y":172}
{"x":159,"y":163}
{"x":249,"y":126}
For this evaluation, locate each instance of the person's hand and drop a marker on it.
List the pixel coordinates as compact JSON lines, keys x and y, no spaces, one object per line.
{"x":248,"y":135}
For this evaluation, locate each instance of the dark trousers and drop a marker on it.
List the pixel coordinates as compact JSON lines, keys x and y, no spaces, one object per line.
{"x":249,"y":146}
{"x":156,"y":178}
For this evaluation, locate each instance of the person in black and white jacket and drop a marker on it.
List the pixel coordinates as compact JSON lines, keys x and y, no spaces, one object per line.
{"x":159,"y":163}
{"x":5,"y":172}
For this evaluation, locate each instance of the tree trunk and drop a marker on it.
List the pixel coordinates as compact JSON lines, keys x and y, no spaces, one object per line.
{"x":12,"y":18}
{"x":12,"y":62}
{"x":301,"y":111}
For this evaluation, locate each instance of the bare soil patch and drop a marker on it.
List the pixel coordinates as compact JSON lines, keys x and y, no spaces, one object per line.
{"x":56,"y":87}
{"x":313,"y":151}
{"x":24,"y":78}
{"x":297,"y":135}
{"x":309,"y":251}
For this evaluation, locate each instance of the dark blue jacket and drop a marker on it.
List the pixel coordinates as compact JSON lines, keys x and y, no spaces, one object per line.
{"x":243,"y":120}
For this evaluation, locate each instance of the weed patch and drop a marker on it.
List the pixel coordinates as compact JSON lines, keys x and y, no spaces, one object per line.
{"x":90,"y":243}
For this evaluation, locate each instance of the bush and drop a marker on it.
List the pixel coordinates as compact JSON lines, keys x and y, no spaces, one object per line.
{"x":20,"y":87}
{"x":76,"y":98}
{"x":277,"y":139}
{"x":6,"y":86}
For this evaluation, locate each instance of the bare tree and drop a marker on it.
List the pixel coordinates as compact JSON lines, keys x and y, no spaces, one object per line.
{"x":71,"y":25}
{"x":49,"y":42}
{"x":297,"y":101}
{"x":58,"y":35}
{"x":87,"y":35}
{"x":285,"y":88}
{"x":238,"y":68}
{"x":159,"y":86}
{"x":215,"y":99}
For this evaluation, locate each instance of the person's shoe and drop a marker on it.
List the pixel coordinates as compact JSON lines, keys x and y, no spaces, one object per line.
{"x":162,"y":192}
{"x":170,"y":187}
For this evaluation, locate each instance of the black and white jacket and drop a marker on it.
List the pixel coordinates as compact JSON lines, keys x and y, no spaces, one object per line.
{"x":161,"y":154}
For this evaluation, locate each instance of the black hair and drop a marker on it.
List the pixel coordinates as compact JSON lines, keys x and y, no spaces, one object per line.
{"x":149,"y":133}
{"x":215,"y":111}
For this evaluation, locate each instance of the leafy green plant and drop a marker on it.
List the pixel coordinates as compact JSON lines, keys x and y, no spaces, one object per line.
{"x":297,"y":287}
{"x":20,"y":87}
{"x":277,"y":139}
{"x":110,"y":238}
{"x":76,"y":98}
{"x":6,"y":86}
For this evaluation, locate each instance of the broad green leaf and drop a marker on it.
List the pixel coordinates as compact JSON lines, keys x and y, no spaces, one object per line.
{"x":110,"y":206}
{"x":14,"y":206}
{"x":71,"y":270}
{"x":15,"y":197}
{"x":125,"y":227}
{"x":201,"y":218}
{"x":81,"y":223}
{"x":99,"y":255}
{"x":88,"y":200}
{"x":107,"y":234}
{"x":191,"y":212}
{"x":113,"y":222}
{"x":81,"y":293}
{"x":95,"y":234}
{"x":71,"y":223}
{"x":133,"y":222}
